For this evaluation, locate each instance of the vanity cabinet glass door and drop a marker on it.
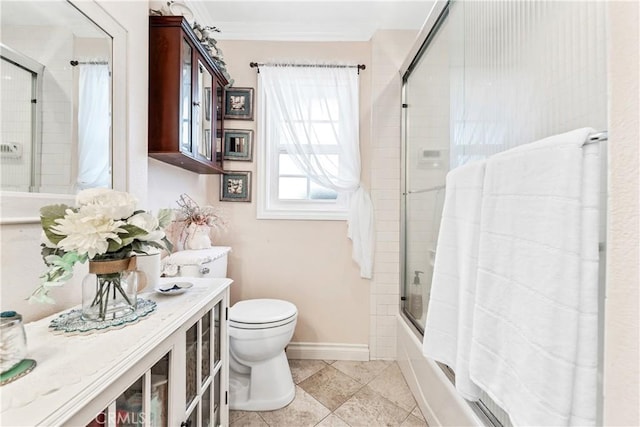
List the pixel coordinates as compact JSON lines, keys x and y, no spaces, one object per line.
{"x":203,"y":370}
{"x":143,"y":403}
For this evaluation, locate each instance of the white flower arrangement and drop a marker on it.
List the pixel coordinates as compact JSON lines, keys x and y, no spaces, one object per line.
{"x":104,"y":225}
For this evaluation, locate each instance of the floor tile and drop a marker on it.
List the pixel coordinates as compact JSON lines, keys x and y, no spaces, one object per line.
{"x":330,"y":387}
{"x":236,"y":415}
{"x":391,"y":384}
{"x":417,"y":413}
{"x":363,"y":372}
{"x":368,"y":408}
{"x":303,"y":369}
{"x":413,"y":421}
{"x":332,"y":421}
{"x":249,"y":419}
{"x":303,"y":411}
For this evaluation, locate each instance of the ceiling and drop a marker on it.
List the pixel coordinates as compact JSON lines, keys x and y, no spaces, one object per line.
{"x":308,"y":20}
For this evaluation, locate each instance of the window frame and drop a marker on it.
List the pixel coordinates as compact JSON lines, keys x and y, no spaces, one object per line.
{"x":269,"y":206}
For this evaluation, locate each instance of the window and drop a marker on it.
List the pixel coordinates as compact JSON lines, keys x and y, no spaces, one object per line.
{"x":304,"y":165}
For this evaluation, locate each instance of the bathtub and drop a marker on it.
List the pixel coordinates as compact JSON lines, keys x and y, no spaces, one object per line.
{"x":434,"y":392}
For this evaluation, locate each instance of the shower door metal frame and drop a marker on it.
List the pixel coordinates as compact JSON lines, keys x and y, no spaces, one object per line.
{"x":435,"y":20}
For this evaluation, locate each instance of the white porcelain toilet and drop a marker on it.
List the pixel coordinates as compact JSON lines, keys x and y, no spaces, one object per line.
{"x":259,"y":374}
{"x":259,"y":331}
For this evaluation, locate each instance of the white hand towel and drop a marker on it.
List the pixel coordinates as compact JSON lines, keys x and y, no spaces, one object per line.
{"x":447,"y":335}
{"x":535,"y":319}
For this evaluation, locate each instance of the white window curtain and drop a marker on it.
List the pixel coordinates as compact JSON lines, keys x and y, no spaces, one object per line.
{"x":292,"y":92}
{"x":94,"y":127}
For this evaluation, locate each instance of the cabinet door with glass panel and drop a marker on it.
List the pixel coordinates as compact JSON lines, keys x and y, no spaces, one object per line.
{"x":184,"y":81}
{"x":205,"y":396}
{"x":144,"y":403}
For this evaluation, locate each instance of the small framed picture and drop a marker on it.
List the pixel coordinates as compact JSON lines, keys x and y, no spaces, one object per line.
{"x":238,"y":144}
{"x":235,"y":186}
{"x":238,"y":103}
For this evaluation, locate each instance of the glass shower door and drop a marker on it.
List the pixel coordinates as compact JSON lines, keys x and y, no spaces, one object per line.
{"x":425,"y":165}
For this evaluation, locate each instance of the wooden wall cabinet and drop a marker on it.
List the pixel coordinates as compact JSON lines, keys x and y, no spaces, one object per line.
{"x":168,"y":370}
{"x":186,"y":90}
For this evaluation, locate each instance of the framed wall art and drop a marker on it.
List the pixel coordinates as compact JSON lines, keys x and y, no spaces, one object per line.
{"x":238,"y":144}
{"x":235,"y":186}
{"x":238,"y":103}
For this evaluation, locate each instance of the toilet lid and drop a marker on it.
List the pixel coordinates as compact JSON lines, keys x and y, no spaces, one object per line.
{"x":261,"y":311}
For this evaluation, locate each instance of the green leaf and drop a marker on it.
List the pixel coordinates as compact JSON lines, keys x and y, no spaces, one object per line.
{"x":133,"y":231}
{"x":48,"y":217}
{"x":115,"y":246}
{"x":53,"y":211}
{"x":164,"y":217}
{"x":167,"y":244}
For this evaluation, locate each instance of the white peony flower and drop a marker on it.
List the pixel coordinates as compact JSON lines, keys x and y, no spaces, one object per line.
{"x":103,"y":201}
{"x":148,"y":223}
{"x":87,"y":234}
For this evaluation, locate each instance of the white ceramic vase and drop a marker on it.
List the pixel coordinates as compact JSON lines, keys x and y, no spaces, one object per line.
{"x":197,"y":237}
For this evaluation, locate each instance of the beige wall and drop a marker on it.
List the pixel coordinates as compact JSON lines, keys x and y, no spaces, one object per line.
{"x":306,"y":262}
{"x":622,"y":332}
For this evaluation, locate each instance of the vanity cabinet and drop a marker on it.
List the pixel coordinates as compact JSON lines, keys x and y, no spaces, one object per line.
{"x":169,"y":369}
{"x":186,"y":90}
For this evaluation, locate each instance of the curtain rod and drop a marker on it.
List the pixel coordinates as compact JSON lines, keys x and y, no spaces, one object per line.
{"x":359,"y":66}
{"x":74,"y":62}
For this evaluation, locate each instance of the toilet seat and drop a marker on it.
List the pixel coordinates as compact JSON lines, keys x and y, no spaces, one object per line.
{"x":261,"y":314}
{"x":240,"y":325}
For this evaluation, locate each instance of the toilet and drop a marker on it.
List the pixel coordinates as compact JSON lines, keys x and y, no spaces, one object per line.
{"x":259,"y":331}
{"x":259,"y":374}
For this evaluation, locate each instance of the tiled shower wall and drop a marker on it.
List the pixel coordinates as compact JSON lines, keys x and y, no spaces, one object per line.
{"x":52,"y":47}
{"x":389,"y":49}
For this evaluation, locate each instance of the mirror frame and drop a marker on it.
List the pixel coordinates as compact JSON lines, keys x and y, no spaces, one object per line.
{"x":24,"y":208}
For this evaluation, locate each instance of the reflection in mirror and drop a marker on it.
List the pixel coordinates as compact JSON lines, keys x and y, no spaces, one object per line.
{"x":56,"y":99}
{"x":202,"y":124}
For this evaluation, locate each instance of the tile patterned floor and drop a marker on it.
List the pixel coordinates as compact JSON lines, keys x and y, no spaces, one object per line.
{"x":341,"y":394}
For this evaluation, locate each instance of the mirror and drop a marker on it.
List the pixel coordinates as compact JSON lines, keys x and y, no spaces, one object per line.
{"x":91,"y":35}
{"x":56,"y":107}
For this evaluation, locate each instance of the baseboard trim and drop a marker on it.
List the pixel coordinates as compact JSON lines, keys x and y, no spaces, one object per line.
{"x":327,"y":351}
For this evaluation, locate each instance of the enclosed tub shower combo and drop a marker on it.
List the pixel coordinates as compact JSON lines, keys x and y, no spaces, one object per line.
{"x":504,"y":128}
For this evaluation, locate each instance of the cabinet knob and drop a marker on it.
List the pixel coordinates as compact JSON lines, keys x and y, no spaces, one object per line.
{"x":185,"y":423}
{"x":196,"y":103}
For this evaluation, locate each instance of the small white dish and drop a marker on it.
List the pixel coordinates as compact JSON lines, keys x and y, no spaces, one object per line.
{"x":173,"y":288}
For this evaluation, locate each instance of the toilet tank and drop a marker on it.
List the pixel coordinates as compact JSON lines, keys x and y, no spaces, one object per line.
{"x":211,"y":262}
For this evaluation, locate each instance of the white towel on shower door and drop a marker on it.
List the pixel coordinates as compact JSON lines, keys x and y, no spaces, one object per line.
{"x":447,"y":335}
{"x":534,"y":346}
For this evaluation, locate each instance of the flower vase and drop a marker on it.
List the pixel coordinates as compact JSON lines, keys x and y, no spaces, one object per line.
{"x":109,"y":290}
{"x":197,"y":237}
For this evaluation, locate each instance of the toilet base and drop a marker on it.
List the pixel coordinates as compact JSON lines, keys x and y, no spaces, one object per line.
{"x":268,"y":387}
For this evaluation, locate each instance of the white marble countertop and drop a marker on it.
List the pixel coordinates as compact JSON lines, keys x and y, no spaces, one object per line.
{"x":73,"y":369}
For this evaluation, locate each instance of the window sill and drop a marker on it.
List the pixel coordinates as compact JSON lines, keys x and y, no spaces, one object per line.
{"x":301,"y":215}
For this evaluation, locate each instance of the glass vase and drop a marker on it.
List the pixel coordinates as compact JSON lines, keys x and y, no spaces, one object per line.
{"x":109,"y":291}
